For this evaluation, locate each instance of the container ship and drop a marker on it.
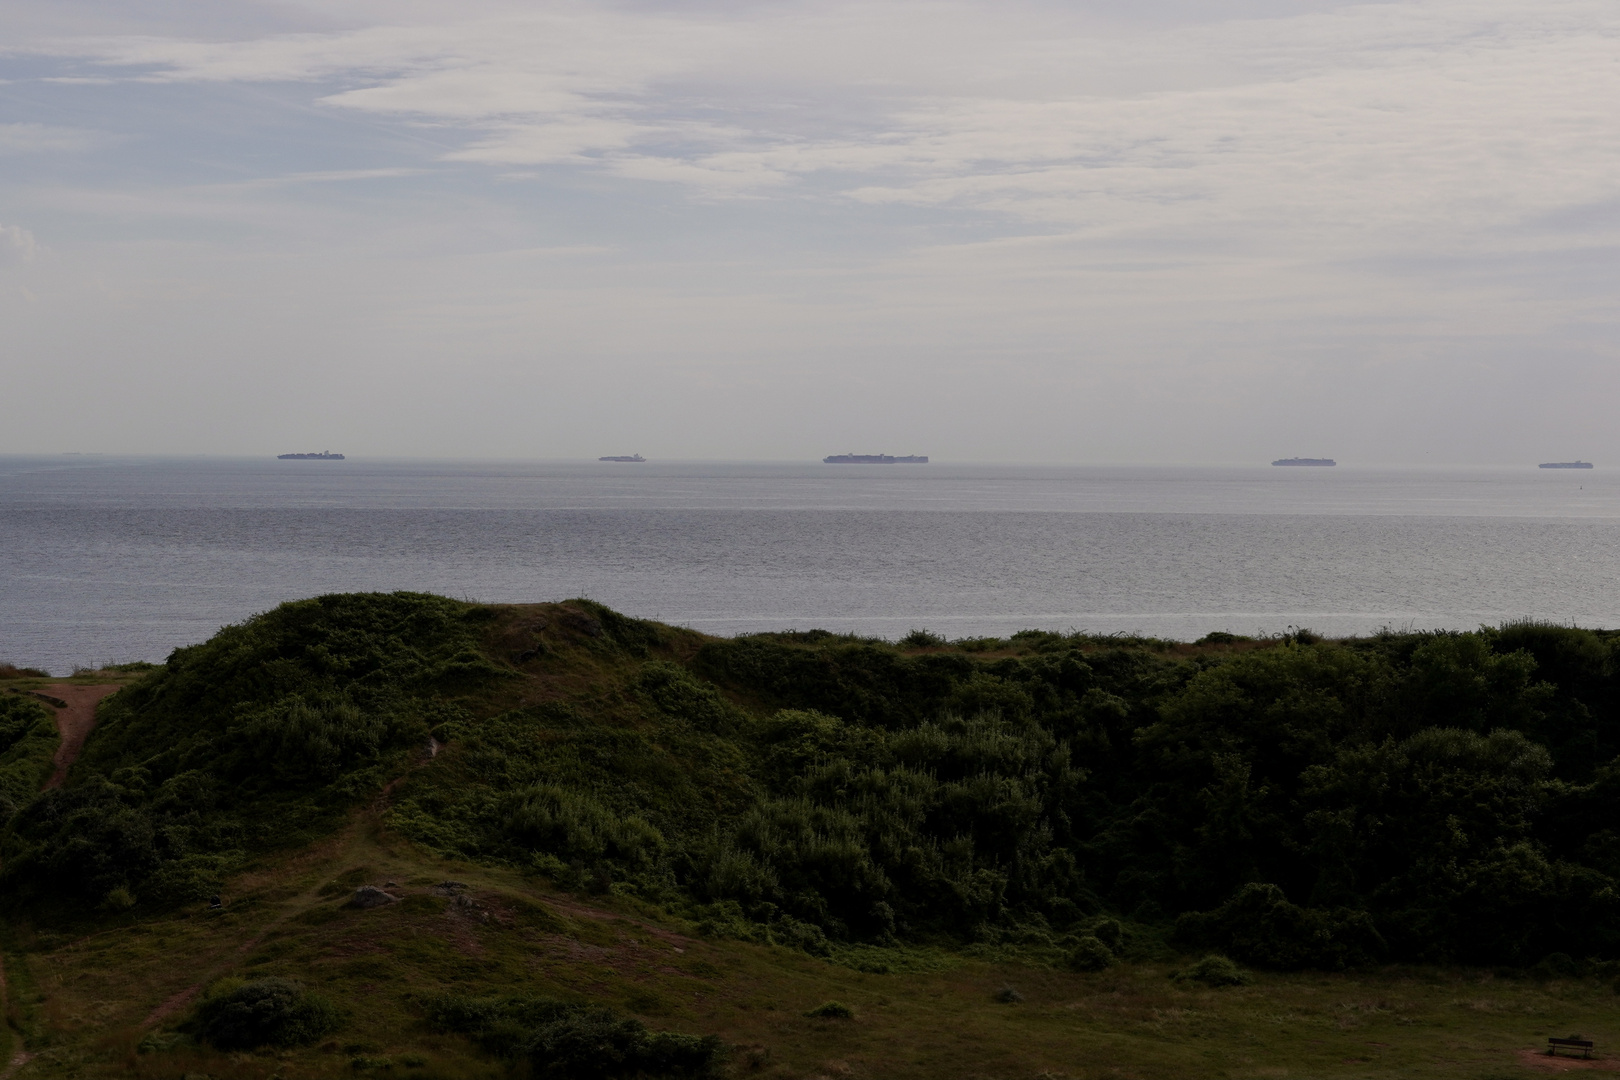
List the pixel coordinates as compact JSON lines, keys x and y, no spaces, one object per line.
{"x":622,"y":457}
{"x":324,"y":455}
{"x":1305,"y":461}
{"x":875,"y":459}
{"x":1565,"y":465}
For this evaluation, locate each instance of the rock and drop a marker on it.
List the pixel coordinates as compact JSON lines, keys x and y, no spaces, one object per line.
{"x":369,"y":896}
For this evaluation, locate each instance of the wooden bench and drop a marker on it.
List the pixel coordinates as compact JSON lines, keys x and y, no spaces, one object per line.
{"x":1571,"y":1043}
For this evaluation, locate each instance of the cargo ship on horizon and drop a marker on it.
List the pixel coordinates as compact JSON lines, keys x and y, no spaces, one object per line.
{"x":622,"y":457}
{"x":324,"y":455}
{"x":1305,"y":461}
{"x":1565,"y":465}
{"x":875,"y":459}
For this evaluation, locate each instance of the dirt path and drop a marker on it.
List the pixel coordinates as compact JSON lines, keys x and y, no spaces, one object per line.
{"x":74,"y":722}
{"x":20,"y":1057}
{"x":1540,"y":1059}
{"x":223,"y":963}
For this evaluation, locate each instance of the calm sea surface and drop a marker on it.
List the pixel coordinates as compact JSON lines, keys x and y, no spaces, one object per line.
{"x":112,"y":559}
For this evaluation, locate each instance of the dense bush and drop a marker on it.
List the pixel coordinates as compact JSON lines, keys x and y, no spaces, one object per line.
{"x":1292,"y":803}
{"x":277,"y":1012}
{"x":571,"y":825}
{"x":561,"y":1041}
{"x":254,"y":739}
{"x":1259,"y":925}
{"x":1214,"y":971}
{"x":1295,"y":804}
{"x":28,"y":741}
{"x":1090,"y":954}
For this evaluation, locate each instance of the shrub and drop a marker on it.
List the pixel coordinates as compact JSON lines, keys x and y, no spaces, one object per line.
{"x":93,"y":841}
{"x":255,"y":739}
{"x":28,"y":742}
{"x":1090,"y":954}
{"x":319,"y":736}
{"x":1294,"y":804}
{"x":1556,"y":966}
{"x":503,"y":1026}
{"x":598,"y":1044}
{"x":922,"y":639}
{"x":832,"y":1010}
{"x":1214,"y":970}
{"x":571,"y":825}
{"x":1259,"y":924}
{"x":561,"y":1041}
{"x":1110,"y":933}
{"x":794,"y":934}
{"x":264,"y":1012}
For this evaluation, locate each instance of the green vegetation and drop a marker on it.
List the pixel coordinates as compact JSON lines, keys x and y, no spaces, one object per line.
{"x":1440,"y":797}
{"x":259,"y":738}
{"x":575,"y":1042}
{"x":28,"y":742}
{"x":1090,"y":954}
{"x":1214,"y":971}
{"x":247,"y":1014}
{"x":664,"y":845}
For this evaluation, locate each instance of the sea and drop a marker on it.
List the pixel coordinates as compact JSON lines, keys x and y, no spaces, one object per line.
{"x":114,"y":559}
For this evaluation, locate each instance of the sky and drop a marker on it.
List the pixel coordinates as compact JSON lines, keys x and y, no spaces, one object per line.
{"x":1088,"y":231}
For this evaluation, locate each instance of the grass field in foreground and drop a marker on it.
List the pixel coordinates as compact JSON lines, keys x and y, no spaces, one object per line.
{"x":84,"y":1001}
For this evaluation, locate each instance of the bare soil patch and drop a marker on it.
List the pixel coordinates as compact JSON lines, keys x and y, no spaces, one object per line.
{"x":74,"y":720}
{"x":1540,"y":1059}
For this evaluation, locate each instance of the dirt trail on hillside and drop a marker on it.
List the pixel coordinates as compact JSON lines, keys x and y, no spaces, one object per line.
{"x":20,"y":1057}
{"x":74,"y":722}
{"x":222,"y":963}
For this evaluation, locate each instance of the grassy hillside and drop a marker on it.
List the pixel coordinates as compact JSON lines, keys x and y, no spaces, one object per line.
{"x":599,"y":832}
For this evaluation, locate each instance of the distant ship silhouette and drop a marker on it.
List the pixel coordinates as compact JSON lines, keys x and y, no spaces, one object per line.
{"x":875,"y":459}
{"x":1565,"y":465}
{"x":1305,"y":461}
{"x":324,"y":455}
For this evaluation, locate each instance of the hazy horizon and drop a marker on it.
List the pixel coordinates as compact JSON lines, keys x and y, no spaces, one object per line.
{"x":1101,"y":232}
{"x":128,"y":558}
{"x":807,"y":459}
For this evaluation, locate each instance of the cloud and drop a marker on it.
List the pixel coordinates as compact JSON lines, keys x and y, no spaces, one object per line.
{"x":46,"y":139}
{"x":1441,"y":118}
{"x":17,"y":245}
{"x":332,"y":176}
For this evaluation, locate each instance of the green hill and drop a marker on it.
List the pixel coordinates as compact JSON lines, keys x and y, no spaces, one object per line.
{"x":594,"y":832}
